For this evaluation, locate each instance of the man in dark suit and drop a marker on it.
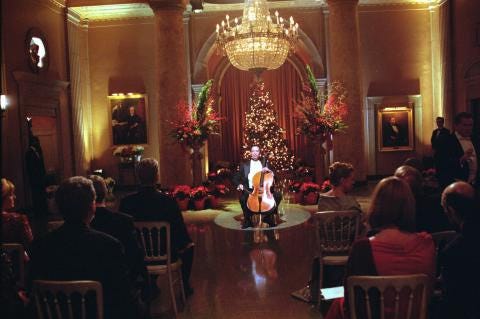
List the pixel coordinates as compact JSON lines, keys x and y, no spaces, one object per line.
{"x":148,"y":204}
{"x":438,"y":132}
{"x":243,"y":180}
{"x":35,"y":166}
{"x":394,"y":135}
{"x":460,"y":259}
{"x":77,"y":252}
{"x":456,"y":157}
{"x":120,"y":226}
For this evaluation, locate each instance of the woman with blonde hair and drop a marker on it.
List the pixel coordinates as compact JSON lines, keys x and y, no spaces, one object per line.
{"x":15,"y":226}
{"x":395,"y":249}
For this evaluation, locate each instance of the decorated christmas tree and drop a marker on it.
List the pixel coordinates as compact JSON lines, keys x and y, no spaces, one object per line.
{"x":262,"y":129}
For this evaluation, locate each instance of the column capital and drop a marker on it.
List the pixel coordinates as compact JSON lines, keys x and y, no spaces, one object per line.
{"x":159,"y":5}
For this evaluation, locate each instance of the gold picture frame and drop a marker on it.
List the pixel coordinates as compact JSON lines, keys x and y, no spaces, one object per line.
{"x":395,"y":129}
{"x":128,"y":117}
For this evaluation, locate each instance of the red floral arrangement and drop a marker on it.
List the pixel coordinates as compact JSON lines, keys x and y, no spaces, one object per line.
{"x":326,"y":186}
{"x":198,"y":193}
{"x":199,"y":120}
{"x":309,"y":187}
{"x":181,"y":191}
{"x":218,"y":190}
{"x":319,"y":115}
{"x":294,"y":186}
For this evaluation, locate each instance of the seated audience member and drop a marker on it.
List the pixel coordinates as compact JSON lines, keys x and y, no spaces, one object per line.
{"x":341,"y":179}
{"x":148,"y":204}
{"x":429,"y":213}
{"x":460,"y":259}
{"x":395,"y":249}
{"x":15,"y":227}
{"x":76,"y":252}
{"x":121,"y":227}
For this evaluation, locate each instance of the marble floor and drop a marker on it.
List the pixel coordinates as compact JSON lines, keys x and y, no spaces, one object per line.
{"x":251,"y":274}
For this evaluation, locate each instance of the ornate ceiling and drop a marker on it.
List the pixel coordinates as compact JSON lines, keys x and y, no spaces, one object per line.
{"x":105,"y":10}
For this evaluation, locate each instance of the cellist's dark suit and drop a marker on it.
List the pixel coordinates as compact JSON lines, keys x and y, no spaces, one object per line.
{"x":241,"y":178}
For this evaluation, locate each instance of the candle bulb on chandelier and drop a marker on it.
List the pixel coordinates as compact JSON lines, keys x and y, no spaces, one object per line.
{"x":218,"y":28}
{"x":228,"y":21}
{"x":276,"y":14}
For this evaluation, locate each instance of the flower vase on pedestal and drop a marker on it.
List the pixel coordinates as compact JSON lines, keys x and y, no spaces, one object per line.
{"x":137,"y":158}
{"x":320,"y":152}
{"x":196,"y":164}
{"x":199,"y":204}
{"x":310,"y":199}
{"x":183,"y":203}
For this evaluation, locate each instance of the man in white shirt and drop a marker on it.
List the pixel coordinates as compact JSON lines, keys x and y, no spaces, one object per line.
{"x":243,"y":181}
{"x":457,"y":158}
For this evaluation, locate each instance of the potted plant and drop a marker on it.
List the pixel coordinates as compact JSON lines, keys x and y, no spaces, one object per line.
{"x":294,"y":187}
{"x":326,"y":186}
{"x":181,"y":193}
{"x":310,"y":193}
{"x":199,"y":196}
{"x":215,"y":191}
{"x":129,"y":153}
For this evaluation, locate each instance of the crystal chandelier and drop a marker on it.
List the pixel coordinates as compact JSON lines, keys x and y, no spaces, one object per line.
{"x":259,"y":42}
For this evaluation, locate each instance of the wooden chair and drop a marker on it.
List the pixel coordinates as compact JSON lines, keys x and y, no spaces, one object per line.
{"x":399,"y":297}
{"x":441,"y":239}
{"x":16,"y":254}
{"x":335,"y":233}
{"x":155,"y":241}
{"x":68,"y":299}
{"x":54,"y":224}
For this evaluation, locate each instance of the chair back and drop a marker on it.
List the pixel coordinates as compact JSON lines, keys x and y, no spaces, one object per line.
{"x":336,"y":230}
{"x":68,"y":299}
{"x":16,"y":255}
{"x":54,"y":224}
{"x":442,"y":239}
{"x":154,"y":238}
{"x":388,"y":297}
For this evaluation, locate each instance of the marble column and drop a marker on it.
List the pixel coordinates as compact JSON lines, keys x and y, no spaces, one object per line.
{"x":171,"y":88}
{"x":344,"y":66}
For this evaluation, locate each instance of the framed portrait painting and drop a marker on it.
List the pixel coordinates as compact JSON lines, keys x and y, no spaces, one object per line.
{"x":128,"y":118}
{"x":395,"y":129}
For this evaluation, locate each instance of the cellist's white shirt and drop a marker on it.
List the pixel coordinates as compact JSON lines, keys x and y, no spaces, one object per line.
{"x":255,"y":167}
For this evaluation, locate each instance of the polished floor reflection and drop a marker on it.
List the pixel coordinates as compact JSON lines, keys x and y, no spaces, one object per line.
{"x":251,"y":274}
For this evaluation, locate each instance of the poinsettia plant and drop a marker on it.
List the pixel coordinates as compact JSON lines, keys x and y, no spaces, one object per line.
{"x":326,"y":186}
{"x":181,"y":191}
{"x":308,"y":187}
{"x":198,"y":120}
{"x":321,"y":114}
{"x":295,"y":186}
{"x":218,"y":190}
{"x":198,"y":193}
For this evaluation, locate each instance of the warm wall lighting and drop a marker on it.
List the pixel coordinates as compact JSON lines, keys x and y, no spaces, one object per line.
{"x":3,"y":102}
{"x":396,"y":108}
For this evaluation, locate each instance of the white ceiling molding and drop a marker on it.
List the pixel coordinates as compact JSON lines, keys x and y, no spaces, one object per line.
{"x":143,"y":10}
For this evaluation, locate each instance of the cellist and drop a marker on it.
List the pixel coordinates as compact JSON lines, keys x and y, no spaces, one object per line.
{"x":243,"y":180}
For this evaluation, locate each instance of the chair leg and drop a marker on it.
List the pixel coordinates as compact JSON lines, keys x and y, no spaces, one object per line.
{"x":320,"y":282}
{"x":172,"y":293}
{"x":184,"y":299}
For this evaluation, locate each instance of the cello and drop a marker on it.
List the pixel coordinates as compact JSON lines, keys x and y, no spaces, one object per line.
{"x":261,"y":199}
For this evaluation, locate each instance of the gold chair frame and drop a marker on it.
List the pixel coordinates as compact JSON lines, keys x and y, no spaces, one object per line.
{"x":67,"y":288}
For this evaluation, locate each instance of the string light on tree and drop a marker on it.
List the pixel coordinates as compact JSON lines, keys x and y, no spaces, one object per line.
{"x":262,"y":129}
